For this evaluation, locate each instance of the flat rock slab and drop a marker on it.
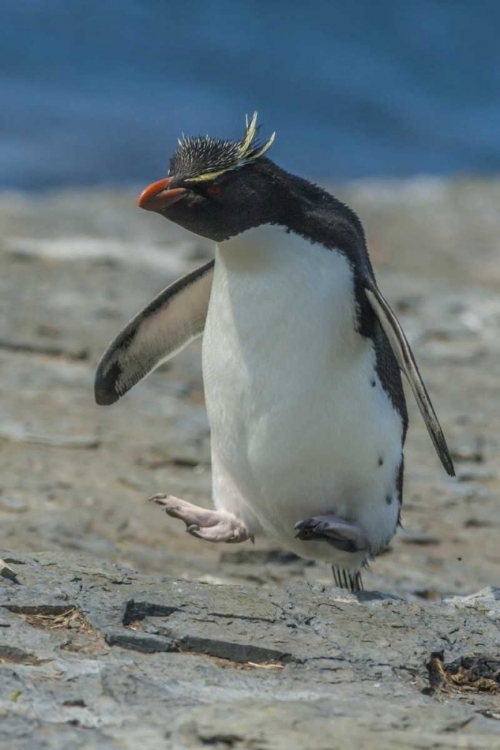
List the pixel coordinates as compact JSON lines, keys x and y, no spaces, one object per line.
{"x":94,"y":655}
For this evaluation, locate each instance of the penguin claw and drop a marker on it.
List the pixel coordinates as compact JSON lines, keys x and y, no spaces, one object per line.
{"x":159,"y":498}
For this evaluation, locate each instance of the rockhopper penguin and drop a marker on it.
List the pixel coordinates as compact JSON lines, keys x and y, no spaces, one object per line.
{"x":302,"y":358}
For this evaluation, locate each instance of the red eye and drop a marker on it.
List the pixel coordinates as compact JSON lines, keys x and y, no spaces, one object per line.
{"x":214,"y":189}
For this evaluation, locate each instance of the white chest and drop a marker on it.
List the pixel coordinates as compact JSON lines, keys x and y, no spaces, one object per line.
{"x":295,"y":420}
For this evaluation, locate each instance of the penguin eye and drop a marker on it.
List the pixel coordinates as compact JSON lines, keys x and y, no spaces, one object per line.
{"x":214,"y":189}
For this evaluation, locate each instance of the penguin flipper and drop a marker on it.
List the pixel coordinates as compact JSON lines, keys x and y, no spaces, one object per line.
{"x":406,"y":361}
{"x":169,"y":323}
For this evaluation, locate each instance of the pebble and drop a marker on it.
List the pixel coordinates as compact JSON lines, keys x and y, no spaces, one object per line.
{"x":13,"y":504}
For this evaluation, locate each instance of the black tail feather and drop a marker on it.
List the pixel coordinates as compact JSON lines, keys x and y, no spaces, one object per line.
{"x":344,"y":579}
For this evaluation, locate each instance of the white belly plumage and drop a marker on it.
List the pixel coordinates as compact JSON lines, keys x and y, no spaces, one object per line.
{"x":297,"y":427}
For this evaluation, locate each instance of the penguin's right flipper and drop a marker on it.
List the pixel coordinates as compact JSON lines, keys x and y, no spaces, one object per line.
{"x":169,"y":323}
{"x":407,"y":364}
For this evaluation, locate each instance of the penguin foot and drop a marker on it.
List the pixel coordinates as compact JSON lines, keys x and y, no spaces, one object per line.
{"x":211,"y":525}
{"x":342,"y":535}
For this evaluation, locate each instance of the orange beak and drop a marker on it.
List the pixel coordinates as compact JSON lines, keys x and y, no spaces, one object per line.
{"x":157,"y":197}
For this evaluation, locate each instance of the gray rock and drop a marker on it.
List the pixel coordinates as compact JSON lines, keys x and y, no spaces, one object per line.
{"x":486,"y":601}
{"x":13,"y":504}
{"x":416,"y":536}
{"x":92,"y":653}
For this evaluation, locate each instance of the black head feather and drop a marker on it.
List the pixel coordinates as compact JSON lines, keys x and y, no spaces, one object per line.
{"x":204,"y":158}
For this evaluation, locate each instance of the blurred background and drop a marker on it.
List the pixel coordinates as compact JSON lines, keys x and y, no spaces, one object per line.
{"x":395,"y":106}
{"x":96,"y":92}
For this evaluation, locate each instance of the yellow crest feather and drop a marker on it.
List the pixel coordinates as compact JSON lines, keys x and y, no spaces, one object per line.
{"x":202,"y":158}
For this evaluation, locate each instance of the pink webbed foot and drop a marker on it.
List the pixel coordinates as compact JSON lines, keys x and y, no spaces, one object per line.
{"x":211,"y":525}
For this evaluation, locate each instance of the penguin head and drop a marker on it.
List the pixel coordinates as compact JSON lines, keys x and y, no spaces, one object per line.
{"x":216,"y":188}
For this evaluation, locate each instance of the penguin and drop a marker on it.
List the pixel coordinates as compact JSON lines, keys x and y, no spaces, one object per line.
{"x":302,"y":359}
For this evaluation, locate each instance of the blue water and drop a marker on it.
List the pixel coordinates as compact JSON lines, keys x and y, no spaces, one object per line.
{"x":97,"y":91}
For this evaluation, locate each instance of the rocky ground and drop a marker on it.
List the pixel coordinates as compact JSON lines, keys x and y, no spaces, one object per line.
{"x":75,"y":478}
{"x":98,"y":656}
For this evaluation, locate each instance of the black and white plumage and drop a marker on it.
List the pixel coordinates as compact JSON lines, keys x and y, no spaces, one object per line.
{"x":302,"y":359}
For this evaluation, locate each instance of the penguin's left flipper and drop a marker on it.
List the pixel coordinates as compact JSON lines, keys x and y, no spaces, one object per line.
{"x":348,"y":537}
{"x":169,"y":323}
{"x":406,"y":361}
